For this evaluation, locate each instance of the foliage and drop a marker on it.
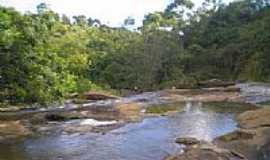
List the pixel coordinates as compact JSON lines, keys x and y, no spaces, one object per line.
{"x":45,"y":57}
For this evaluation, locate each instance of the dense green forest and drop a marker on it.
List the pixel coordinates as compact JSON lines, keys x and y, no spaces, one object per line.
{"x":45,"y":56}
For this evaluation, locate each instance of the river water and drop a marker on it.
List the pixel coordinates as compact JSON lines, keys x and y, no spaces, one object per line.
{"x":153,"y":138}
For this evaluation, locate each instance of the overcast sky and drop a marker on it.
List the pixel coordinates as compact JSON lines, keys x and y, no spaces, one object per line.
{"x":111,"y":12}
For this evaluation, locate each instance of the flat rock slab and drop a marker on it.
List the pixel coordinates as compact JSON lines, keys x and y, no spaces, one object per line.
{"x":13,"y":129}
{"x":255,"y":119}
{"x":207,"y":152}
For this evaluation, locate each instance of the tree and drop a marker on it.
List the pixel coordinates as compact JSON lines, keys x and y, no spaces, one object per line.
{"x":80,"y":20}
{"x":65,"y":19}
{"x":43,"y":8}
{"x":129,"y":21}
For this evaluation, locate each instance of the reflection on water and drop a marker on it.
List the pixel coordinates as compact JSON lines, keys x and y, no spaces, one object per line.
{"x":151,"y":139}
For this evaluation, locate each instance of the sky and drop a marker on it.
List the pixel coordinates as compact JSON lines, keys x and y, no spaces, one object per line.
{"x":110,"y":12}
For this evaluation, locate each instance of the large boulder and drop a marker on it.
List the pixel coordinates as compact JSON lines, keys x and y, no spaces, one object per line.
{"x":207,"y":152}
{"x":13,"y":129}
{"x":252,"y":144}
{"x":239,"y":134}
{"x":255,"y":119}
{"x":254,"y":140}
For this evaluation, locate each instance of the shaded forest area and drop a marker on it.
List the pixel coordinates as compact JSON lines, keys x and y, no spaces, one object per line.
{"x":45,"y":57}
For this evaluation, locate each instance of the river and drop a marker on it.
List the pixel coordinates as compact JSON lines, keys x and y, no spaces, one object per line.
{"x":152,"y":138}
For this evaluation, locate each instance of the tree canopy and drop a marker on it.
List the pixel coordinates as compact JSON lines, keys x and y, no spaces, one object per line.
{"x":45,"y":56}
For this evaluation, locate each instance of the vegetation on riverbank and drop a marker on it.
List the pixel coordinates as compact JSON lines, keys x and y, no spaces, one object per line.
{"x":45,"y":57}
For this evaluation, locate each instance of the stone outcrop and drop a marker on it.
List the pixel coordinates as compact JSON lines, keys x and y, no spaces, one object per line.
{"x":187,"y":141}
{"x":129,"y":111}
{"x":206,"y":151}
{"x":238,"y":134}
{"x":13,"y":129}
{"x":254,"y":140}
{"x":255,"y":119}
{"x":251,"y":141}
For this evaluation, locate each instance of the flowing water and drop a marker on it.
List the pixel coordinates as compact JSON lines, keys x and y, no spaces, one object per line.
{"x":255,"y":92}
{"x":153,"y":138}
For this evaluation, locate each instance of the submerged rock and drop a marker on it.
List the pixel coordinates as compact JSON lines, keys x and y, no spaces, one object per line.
{"x":13,"y":129}
{"x":187,"y":141}
{"x":55,"y":117}
{"x":129,"y":111}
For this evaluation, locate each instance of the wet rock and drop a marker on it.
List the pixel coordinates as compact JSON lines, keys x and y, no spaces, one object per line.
{"x":55,"y":117}
{"x":187,"y":141}
{"x":77,"y":129}
{"x":254,"y":119}
{"x":207,"y":152}
{"x":98,"y":96}
{"x":254,"y":140}
{"x":252,"y":148}
{"x":89,"y":125}
{"x":265,"y":152}
{"x":93,"y":122}
{"x":223,"y":89}
{"x":13,"y":129}
{"x":16,"y":108}
{"x":239,"y":134}
{"x":201,"y":96}
{"x":215,"y":83}
{"x":129,"y":111}
{"x":165,"y":109}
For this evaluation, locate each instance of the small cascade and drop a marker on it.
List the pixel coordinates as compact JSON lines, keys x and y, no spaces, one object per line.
{"x":255,"y":92}
{"x":188,"y":107}
{"x":194,"y":107}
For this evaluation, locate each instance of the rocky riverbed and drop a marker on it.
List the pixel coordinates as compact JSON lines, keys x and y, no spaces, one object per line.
{"x":250,"y":142}
{"x":206,"y":114}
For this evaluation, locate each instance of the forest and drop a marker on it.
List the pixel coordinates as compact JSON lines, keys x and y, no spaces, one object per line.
{"x":46,"y":57}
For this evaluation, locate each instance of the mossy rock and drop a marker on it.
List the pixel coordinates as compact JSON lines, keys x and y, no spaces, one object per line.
{"x":229,"y":107}
{"x":239,"y":134}
{"x":164,"y":108}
